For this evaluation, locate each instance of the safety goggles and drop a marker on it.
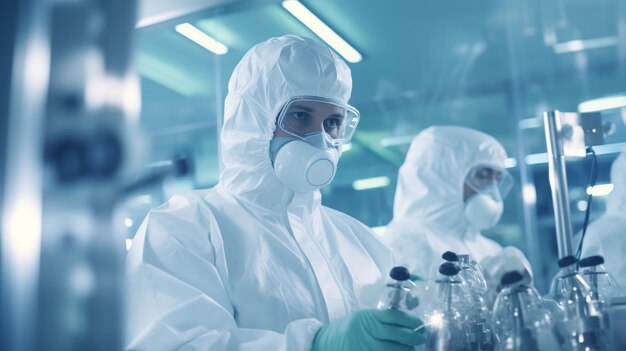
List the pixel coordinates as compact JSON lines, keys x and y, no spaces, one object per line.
{"x":306,"y":116}
{"x":489,"y":180}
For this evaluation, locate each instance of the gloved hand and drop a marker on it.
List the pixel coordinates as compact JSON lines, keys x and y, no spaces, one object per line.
{"x":385,"y":330}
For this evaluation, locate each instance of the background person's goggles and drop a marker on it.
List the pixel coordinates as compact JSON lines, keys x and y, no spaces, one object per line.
{"x":484,"y":179}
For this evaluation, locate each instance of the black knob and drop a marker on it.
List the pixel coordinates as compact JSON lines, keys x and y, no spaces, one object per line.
{"x":567,"y":261}
{"x":183,"y":165}
{"x":400,"y":273}
{"x":511,"y":277}
{"x":68,"y":158}
{"x":449,"y":269}
{"x":450,"y":256}
{"x":104,"y":154}
{"x":592,"y":261}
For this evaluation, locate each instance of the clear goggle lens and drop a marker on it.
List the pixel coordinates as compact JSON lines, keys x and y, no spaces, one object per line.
{"x":489,"y":179}
{"x":306,"y":117}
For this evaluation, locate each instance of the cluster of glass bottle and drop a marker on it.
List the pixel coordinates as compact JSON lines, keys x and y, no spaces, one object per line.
{"x":458,"y":317}
{"x":583,"y":300}
{"x":454,"y":309}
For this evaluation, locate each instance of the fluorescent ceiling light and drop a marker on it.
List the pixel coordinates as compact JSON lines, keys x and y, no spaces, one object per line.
{"x":586,"y":44}
{"x":371,"y":183}
{"x":201,"y":38}
{"x":530,"y":123}
{"x":534,"y":159}
{"x":346,"y":147}
{"x":379,"y":230}
{"x":510,"y":162}
{"x":322,"y":30}
{"x":395,"y":141}
{"x":600,"y":190}
{"x":142,"y":200}
{"x":605,"y":103}
{"x":129,"y":243}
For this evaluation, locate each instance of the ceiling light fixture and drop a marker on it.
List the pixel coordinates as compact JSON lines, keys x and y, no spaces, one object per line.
{"x":585,"y":44}
{"x":201,"y":38}
{"x":371,"y":183}
{"x":605,"y":103}
{"x":322,"y":30}
{"x":600,"y":189}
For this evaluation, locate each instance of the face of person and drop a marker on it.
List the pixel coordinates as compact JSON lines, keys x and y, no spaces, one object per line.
{"x":309,"y":117}
{"x":482,"y":177}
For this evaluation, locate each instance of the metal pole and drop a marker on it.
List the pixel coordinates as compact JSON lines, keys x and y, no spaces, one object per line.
{"x":88,"y":159}
{"x":24,"y":66}
{"x":558,"y":182}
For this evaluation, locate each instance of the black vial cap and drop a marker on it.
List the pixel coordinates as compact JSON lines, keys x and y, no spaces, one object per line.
{"x":400,"y":273}
{"x":450,"y":256}
{"x":592,"y":261}
{"x":511,"y":277}
{"x":567,"y":261}
{"x":449,"y":269}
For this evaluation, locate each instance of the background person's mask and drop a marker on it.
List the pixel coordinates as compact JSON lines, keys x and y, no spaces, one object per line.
{"x":483,"y":211}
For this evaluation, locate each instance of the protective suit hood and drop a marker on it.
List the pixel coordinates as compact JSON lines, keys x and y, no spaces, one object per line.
{"x":616,"y":203}
{"x":268,"y":76}
{"x":430,"y":182}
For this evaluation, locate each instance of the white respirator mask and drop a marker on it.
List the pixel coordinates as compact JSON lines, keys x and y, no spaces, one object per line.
{"x":490,"y":184}
{"x":301,"y":166}
{"x":483,"y":211}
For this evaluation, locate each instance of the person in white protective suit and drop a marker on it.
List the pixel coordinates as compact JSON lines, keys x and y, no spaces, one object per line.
{"x":606,"y":235}
{"x":449,"y":188}
{"x":257,"y":263}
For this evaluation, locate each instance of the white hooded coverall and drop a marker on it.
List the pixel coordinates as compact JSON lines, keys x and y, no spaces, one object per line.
{"x":249,"y":264}
{"x":606,"y":236}
{"x":428,"y":212}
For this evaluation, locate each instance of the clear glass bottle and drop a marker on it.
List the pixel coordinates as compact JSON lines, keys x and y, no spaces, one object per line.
{"x":520,"y":319}
{"x":583,"y":328}
{"x":478,"y":318}
{"x":444,"y":311}
{"x":472,"y":275}
{"x":602,"y":284}
{"x":399,"y":292}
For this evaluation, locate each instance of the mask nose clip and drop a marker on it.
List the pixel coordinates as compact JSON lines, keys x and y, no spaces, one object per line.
{"x":320,"y":140}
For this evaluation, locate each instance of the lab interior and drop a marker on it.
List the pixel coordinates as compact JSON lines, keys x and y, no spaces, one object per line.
{"x":313,"y":175}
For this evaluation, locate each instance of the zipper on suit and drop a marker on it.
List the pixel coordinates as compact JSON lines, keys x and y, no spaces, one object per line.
{"x":319,"y":301}
{"x":307,"y":225}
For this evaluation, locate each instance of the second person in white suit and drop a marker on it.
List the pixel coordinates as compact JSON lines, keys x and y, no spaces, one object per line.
{"x":450,"y":188}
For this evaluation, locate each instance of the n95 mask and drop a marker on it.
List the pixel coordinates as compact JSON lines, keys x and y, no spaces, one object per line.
{"x":483,"y":211}
{"x":301,"y":166}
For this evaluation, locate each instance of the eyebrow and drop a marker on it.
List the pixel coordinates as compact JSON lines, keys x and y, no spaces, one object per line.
{"x":337,"y":115}
{"x":309,"y":109}
{"x":305,"y":108}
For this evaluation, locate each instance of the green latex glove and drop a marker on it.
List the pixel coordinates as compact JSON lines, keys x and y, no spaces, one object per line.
{"x":386,"y":330}
{"x":416,"y":278}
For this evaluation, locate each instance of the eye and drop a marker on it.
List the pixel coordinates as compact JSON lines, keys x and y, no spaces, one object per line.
{"x":483,"y":174}
{"x":332,"y":123}
{"x":299,"y":115}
